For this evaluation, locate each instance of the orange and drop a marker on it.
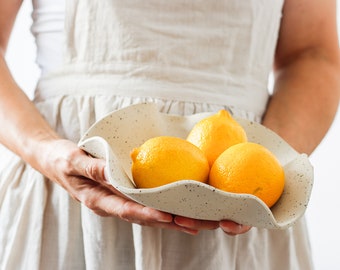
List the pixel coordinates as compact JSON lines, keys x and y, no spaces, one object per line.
{"x":216,"y":133}
{"x":162,"y":160}
{"x":249,"y":168}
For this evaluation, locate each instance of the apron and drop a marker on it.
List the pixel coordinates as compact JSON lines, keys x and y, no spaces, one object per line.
{"x":187,"y":57}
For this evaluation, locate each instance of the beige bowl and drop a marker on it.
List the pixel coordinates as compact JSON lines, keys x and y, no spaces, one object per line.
{"x":115,"y":135}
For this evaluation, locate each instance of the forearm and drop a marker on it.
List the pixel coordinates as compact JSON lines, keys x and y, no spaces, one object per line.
{"x":23,"y":127}
{"x":305,"y":100}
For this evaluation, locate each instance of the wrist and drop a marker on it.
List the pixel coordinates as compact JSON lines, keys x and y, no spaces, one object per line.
{"x":34,"y":147}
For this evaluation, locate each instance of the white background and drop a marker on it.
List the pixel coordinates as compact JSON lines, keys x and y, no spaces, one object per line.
{"x":323,"y":213}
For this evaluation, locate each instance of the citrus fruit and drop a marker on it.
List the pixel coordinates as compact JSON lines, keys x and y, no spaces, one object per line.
{"x":164,"y":159}
{"x":216,"y":133}
{"x":249,"y":168}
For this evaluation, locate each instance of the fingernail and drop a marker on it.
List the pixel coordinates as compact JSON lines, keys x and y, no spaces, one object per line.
{"x":226,"y":229}
{"x":165,"y":218}
{"x":189,"y":231}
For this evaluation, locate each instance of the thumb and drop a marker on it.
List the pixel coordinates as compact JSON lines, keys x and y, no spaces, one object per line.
{"x":93,"y":168}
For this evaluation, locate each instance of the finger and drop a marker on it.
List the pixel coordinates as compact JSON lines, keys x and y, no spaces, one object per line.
{"x":102,"y":198}
{"x":94,"y":169}
{"x":104,"y":203}
{"x":196,"y":224}
{"x":233,"y":228}
{"x":99,"y":198}
{"x":135,"y":213}
{"x":89,"y":167}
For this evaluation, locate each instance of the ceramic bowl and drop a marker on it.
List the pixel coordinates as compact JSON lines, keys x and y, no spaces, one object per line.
{"x":115,"y":135}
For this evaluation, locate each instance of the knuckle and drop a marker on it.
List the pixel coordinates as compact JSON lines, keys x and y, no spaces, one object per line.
{"x":125,"y":211}
{"x":101,"y":213}
{"x":91,"y":171}
{"x":66,"y":162}
{"x":68,"y":168}
{"x":89,"y":202}
{"x":94,"y":170}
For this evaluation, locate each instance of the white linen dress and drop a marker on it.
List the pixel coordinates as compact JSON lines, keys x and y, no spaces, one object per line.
{"x":187,"y":56}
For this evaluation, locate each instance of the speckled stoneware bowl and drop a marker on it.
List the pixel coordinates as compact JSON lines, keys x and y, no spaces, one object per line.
{"x":114,"y":136}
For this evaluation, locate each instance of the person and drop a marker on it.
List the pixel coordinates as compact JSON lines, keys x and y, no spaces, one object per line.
{"x":57,"y":209}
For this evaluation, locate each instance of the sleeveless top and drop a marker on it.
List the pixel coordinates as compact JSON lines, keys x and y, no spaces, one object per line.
{"x":48,"y":18}
{"x":220,"y":52}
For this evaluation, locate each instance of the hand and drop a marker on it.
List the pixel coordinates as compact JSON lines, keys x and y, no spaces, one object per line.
{"x":83,"y":177}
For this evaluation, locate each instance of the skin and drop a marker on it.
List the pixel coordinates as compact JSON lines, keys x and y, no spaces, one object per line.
{"x":305,"y":99}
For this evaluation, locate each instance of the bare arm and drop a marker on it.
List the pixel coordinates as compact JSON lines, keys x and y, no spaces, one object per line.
{"x":306,"y":91}
{"x":10,"y":8}
{"x":26,"y":133}
{"x":14,"y":104}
